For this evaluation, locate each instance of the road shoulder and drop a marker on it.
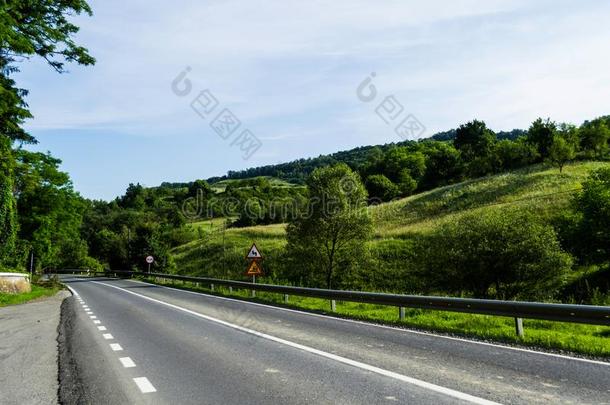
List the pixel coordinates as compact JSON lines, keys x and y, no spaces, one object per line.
{"x":29,"y":351}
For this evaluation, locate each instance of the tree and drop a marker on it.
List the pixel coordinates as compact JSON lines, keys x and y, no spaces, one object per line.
{"x":330,"y":233}
{"x":443,"y":164}
{"x":381,"y":188}
{"x":541,"y":134}
{"x":594,"y":137}
{"x":502,"y":253}
{"x":49,"y":211}
{"x":593,"y":207}
{"x":509,"y":155}
{"x":561,"y":152}
{"x":475,"y":142}
{"x":29,"y":28}
{"x":8,"y":220}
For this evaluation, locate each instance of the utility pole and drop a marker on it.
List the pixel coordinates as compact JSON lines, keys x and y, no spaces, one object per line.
{"x":224,"y":229}
{"x":32,"y":266}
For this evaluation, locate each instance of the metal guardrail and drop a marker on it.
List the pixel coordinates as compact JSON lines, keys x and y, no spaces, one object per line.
{"x":588,"y":314}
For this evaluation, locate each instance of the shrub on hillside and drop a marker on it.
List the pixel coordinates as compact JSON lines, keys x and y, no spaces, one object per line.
{"x":502,"y":254}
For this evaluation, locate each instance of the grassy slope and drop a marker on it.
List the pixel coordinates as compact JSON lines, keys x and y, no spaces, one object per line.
{"x":37,"y":292}
{"x":220,"y":186}
{"x":528,"y":188}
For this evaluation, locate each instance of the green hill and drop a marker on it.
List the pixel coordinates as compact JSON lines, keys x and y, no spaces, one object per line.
{"x":538,"y":189}
{"x":216,"y":251}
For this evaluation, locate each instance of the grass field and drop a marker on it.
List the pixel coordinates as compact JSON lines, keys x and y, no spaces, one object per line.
{"x":37,"y":292}
{"x":221,"y":185}
{"x":581,"y":339}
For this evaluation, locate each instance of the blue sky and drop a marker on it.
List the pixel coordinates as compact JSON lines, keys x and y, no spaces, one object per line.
{"x":289,"y":70}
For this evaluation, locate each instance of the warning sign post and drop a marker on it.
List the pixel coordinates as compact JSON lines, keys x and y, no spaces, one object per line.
{"x":255,"y":268}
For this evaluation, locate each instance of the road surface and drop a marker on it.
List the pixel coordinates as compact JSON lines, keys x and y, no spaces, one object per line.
{"x":133,"y":342}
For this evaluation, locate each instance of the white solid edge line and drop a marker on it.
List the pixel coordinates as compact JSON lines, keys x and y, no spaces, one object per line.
{"x":73,"y":291}
{"x":417,"y":332}
{"x":127,"y":362}
{"x":107,"y":336}
{"x":344,"y":360}
{"x":144,"y":385}
{"x":116,"y":347}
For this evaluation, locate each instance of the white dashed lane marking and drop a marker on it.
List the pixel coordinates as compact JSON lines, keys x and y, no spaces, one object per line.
{"x":127,"y":362}
{"x":142,"y":382}
{"x":144,"y":385}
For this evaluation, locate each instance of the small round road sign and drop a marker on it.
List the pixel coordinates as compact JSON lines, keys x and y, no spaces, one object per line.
{"x":149,"y":259}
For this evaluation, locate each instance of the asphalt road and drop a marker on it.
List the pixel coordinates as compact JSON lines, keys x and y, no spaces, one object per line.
{"x":132,"y":342}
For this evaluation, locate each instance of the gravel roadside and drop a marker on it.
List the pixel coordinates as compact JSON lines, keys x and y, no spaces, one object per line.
{"x":28,"y":351}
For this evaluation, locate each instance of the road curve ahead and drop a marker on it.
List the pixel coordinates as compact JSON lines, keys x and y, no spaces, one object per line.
{"x":133,"y":342}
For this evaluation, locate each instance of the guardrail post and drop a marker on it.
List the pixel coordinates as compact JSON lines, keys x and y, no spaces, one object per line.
{"x":253,"y":293}
{"x":230,"y":290}
{"x":401,"y":313}
{"x":212,"y":287}
{"x":519,"y":326}
{"x":333,"y":305}
{"x":285,"y":298}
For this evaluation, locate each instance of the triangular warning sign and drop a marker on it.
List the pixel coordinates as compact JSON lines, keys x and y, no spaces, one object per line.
{"x":253,"y":253}
{"x":254,"y":269}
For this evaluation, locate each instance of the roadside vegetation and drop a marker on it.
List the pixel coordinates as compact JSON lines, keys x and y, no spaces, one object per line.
{"x":587,"y":340}
{"x":40,"y":289}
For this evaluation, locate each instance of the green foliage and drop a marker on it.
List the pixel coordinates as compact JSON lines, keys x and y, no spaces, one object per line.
{"x":8,"y":220}
{"x":50,"y":212}
{"x":502,"y":254}
{"x":33,"y":28}
{"x":541,"y":134}
{"x":42,"y":28}
{"x":595,"y":137}
{"x":561,"y":151}
{"x":475,"y":142}
{"x":510,"y":155}
{"x":329,"y":234}
{"x":380,"y":188}
{"x":593,"y":205}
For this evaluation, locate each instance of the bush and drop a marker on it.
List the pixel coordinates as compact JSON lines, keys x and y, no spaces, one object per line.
{"x":381,"y":188}
{"x":593,"y":207}
{"x":504,"y":254}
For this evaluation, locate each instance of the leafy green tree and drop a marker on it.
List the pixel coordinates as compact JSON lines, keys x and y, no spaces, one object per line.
{"x":541,"y":134}
{"x":327,"y":238}
{"x":511,"y":155}
{"x":593,"y":207}
{"x":49,"y":211}
{"x":475,"y":142}
{"x":595,"y":137}
{"x":8,"y":222}
{"x":443,"y":164}
{"x":29,"y":28}
{"x":561,"y":152}
{"x":381,"y":188}
{"x":503,"y":254}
